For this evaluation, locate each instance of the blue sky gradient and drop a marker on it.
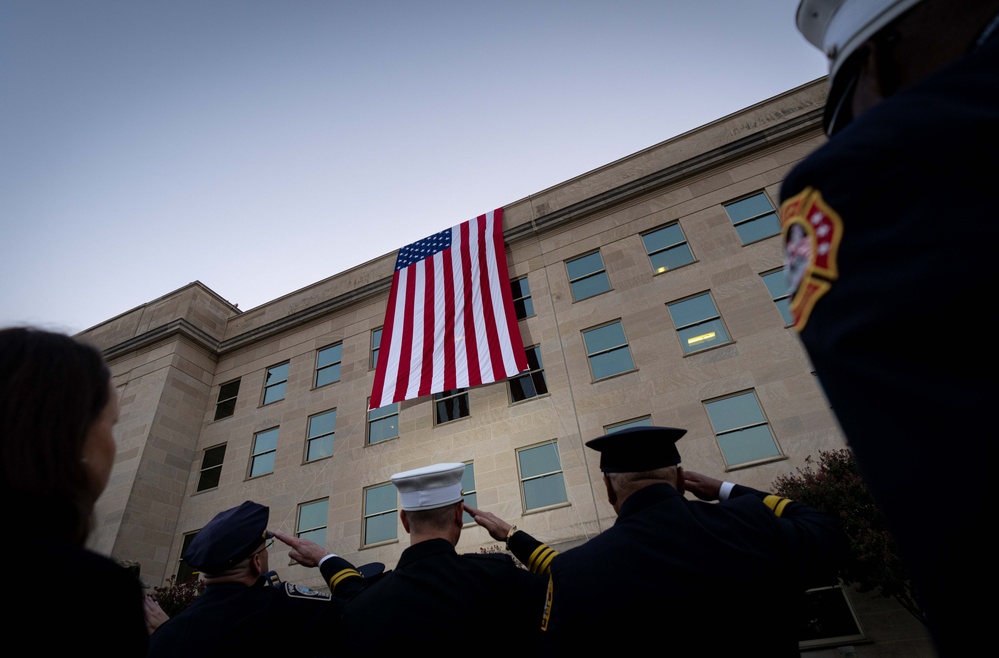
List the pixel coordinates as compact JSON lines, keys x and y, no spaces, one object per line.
{"x":262,"y":146}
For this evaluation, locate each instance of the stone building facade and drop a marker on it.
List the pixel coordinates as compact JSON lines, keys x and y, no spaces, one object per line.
{"x":650,"y":291}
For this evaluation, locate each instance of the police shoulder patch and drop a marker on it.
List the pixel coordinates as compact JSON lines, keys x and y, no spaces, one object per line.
{"x":812,"y":233}
{"x":299,"y":592}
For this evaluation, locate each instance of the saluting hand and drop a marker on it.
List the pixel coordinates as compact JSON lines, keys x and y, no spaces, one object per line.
{"x":155,"y":617}
{"x":702,"y":486}
{"x":305,"y":552}
{"x":497,"y":528}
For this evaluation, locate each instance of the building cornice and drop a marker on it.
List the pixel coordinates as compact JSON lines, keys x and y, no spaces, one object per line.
{"x":179,"y":327}
{"x":309,"y":314}
{"x":782,"y":132}
{"x":787,"y":130}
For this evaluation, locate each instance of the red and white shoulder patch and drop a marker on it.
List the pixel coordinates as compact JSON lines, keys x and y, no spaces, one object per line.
{"x":812,"y":232}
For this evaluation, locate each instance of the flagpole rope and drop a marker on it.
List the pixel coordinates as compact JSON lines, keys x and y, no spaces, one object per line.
{"x":565,"y":369}
{"x":315,"y":480}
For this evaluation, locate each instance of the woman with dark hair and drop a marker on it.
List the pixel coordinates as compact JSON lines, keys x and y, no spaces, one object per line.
{"x":57,"y":411}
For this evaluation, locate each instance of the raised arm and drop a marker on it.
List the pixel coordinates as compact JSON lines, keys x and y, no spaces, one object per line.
{"x":816,"y":539}
{"x":341,"y":576}
{"x":533,"y":554}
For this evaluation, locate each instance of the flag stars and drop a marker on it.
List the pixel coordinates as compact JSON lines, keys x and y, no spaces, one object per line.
{"x":421,"y":249}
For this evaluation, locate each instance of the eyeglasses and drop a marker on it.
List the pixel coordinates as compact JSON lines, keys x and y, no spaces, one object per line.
{"x":267,"y":545}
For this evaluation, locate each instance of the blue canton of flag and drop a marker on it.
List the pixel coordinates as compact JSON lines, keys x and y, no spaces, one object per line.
{"x":424,"y":248}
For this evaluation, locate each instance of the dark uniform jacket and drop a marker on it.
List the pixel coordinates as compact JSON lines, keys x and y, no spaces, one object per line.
{"x":64,"y":599}
{"x":674,"y":575}
{"x":79,"y":602}
{"x":436,"y":599}
{"x":891,"y":231}
{"x":231,"y":619}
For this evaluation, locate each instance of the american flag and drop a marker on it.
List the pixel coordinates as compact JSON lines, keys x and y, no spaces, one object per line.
{"x":450,"y":321}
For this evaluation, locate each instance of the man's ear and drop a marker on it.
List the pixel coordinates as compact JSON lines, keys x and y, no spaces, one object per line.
{"x":405,"y":520}
{"x":611,"y":494}
{"x":680,"y":486}
{"x":459,"y":514}
{"x":256,"y":564}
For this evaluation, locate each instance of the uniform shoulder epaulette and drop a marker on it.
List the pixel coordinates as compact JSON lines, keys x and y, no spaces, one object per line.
{"x":299,"y":592}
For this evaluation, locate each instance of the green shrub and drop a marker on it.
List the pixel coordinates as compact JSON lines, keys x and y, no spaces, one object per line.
{"x":174,"y":597}
{"x":835,"y":486}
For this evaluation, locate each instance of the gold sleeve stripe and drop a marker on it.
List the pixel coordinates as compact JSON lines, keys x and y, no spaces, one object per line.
{"x":541,"y":558}
{"x":547,"y":561}
{"x":339,"y":576}
{"x":776,"y":503}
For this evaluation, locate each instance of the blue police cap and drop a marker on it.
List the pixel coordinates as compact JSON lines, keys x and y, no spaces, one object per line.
{"x":637,"y":449}
{"x":229,"y":538}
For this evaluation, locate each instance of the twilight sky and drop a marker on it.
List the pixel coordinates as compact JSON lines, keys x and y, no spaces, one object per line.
{"x":262,"y":146}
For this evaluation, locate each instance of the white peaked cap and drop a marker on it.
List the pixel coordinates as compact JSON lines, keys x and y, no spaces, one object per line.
{"x":839,"y":27}
{"x":429,"y":487}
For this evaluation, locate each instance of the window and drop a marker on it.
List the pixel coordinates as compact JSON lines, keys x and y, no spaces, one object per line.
{"x":698,"y":324}
{"x":450,"y":405}
{"x":754,"y":218}
{"x":587,"y":276}
{"x":226,"y":404}
{"x":264,"y":448}
{"x":380,"y":508}
{"x":541,"y":480}
{"x":742,"y":430}
{"x":628,"y":424}
{"x":468,"y":490}
{"x":186,"y":572}
{"x":532,"y":383}
{"x":607,"y":350}
{"x":827,"y":619}
{"x":523,"y":306}
{"x":328,"y":364}
{"x":776,"y":283}
{"x":274,"y":383}
{"x":211,"y":467}
{"x":376,"y":341}
{"x":320,"y":441}
{"x":312,"y":521}
{"x":383,"y":423}
{"x":667,"y":248}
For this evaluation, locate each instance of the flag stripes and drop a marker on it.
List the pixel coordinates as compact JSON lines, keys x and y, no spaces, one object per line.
{"x":450,"y":321}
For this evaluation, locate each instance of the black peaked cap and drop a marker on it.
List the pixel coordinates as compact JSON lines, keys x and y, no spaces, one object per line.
{"x":637,"y":449}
